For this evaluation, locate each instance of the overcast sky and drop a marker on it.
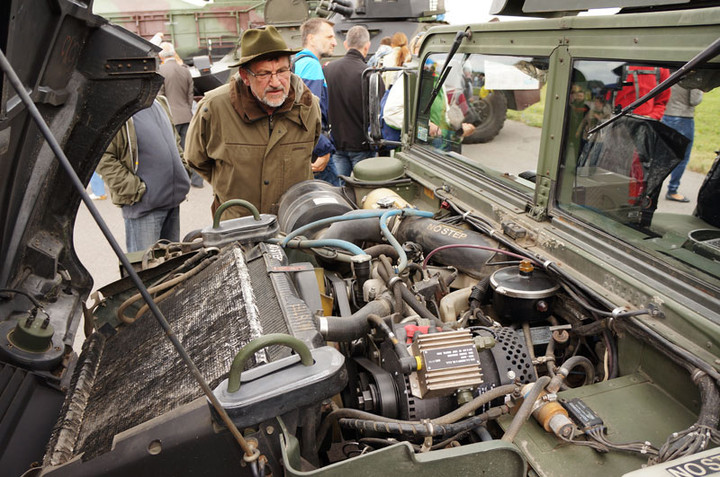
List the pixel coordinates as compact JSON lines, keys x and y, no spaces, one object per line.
{"x":467,"y":11}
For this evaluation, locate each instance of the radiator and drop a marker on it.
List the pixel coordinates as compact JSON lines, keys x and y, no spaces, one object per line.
{"x":126,"y":378}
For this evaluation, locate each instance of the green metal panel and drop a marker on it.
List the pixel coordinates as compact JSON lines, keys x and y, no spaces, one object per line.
{"x":491,"y":459}
{"x":632,"y":407}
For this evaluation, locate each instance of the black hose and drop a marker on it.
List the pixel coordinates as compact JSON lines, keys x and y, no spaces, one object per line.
{"x":362,"y":274}
{"x":383,"y":249}
{"x":355,"y":326}
{"x":355,"y":231}
{"x":525,"y":409}
{"x":408,"y":296}
{"x":395,"y":182}
{"x":423,"y":429}
{"x":614,"y":362}
{"x":408,"y":364}
{"x":449,"y":418}
{"x":384,"y":269}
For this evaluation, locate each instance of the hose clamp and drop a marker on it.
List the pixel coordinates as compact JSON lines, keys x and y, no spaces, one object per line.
{"x":618,"y":311}
{"x":391,"y":283}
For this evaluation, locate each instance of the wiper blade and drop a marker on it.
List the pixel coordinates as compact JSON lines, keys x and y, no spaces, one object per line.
{"x":706,"y":55}
{"x":459,"y":37}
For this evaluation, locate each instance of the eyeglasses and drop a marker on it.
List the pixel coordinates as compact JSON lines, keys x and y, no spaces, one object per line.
{"x":282,"y":73}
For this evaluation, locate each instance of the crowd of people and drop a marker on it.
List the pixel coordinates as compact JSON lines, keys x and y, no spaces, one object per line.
{"x":284,"y":117}
{"x":281,"y":119}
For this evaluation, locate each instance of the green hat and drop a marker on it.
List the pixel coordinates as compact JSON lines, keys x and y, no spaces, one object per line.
{"x":257,"y":42}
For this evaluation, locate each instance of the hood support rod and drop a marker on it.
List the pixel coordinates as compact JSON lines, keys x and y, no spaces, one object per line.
{"x":251,"y":453}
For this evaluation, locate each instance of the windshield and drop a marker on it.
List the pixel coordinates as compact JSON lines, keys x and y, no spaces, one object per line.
{"x":468,"y":116}
{"x":650,"y":178}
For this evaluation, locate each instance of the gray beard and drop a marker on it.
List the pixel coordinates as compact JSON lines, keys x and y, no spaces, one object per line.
{"x":270,"y":103}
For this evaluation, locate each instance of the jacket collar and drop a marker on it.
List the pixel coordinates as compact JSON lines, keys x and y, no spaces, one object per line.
{"x":296,"y":107}
{"x":355,"y":53}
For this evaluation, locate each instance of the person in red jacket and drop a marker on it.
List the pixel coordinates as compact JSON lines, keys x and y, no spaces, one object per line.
{"x":638,"y":82}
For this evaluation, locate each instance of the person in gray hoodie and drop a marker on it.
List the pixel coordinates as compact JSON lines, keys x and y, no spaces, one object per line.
{"x":147,"y":177}
{"x":680,"y":115}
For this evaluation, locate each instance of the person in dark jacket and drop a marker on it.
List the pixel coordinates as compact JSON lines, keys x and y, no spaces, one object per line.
{"x":178,"y":89}
{"x":318,"y":40}
{"x":146,"y":175}
{"x":344,"y":78}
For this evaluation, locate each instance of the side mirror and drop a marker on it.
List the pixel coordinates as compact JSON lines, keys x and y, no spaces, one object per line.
{"x":373,"y":95}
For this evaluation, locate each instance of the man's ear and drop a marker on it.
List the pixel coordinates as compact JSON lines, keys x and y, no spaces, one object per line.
{"x":366,"y":49}
{"x":244,"y":75}
{"x":345,"y":45}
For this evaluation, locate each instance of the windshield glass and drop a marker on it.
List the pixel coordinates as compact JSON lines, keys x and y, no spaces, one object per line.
{"x":468,"y":116}
{"x":650,"y":178}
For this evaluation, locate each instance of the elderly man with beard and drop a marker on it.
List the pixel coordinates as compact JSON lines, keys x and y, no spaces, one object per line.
{"x":253,"y":138}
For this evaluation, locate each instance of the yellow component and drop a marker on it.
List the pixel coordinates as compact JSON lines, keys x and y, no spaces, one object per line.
{"x":484,"y":92}
{"x":546,"y":412}
{"x":418,"y":360}
{"x":383,"y":199}
{"x":327,"y":302}
{"x":526,"y":266}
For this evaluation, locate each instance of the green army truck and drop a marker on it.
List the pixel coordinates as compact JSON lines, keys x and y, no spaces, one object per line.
{"x":455,"y":309}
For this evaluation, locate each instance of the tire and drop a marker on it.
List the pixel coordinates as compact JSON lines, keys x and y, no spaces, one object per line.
{"x":488,"y":117}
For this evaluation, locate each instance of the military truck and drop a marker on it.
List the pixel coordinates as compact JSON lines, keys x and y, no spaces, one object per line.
{"x":450,"y":310}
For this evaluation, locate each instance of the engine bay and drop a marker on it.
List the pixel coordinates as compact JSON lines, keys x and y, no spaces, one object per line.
{"x":416,"y":334}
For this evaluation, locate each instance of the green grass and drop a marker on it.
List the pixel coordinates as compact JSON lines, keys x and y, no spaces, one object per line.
{"x":707,"y":133}
{"x":532,"y":115}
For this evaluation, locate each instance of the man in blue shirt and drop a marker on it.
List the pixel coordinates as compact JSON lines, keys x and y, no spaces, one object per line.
{"x":318,"y":39}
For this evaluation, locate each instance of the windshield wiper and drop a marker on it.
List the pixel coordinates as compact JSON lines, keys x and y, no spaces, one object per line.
{"x":446,"y":69}
{"x":706,"y":55}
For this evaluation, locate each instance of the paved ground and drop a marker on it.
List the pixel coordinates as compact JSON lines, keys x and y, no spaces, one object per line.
{"x":515,"y":150}
{"x":97,"y":255}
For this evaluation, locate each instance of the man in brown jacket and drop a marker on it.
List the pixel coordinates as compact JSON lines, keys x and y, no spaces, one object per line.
{"x":253,"y":138}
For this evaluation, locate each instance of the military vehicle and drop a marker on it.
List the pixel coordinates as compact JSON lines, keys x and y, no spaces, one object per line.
{"x":452,"y":311}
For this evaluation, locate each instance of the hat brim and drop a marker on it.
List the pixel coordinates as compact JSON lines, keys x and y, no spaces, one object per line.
{"x":266,"y":54}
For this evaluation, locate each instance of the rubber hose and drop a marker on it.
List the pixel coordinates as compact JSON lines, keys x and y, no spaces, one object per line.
{"x":383,"y":249}
{"x":352,"y":215}
{"x":525,"y":409}
{"x":423,"y":429}
{"x":357,"y":230}
{"x":584,"y":363}
{"x":355,"y":326}
{"x":382,"y":270}
{"x":409,"y":298}
{"x":342,"y":244}
{"x":476,"y":404}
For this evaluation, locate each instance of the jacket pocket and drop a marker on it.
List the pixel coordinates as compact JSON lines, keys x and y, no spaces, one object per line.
{"x":296,"y":162}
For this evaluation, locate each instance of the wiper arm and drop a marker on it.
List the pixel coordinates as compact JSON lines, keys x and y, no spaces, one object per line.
{"x":706,"y":55}
{"x":446,"y":69}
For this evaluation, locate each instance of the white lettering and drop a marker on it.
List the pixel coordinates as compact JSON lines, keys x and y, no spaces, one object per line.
{"x":708,"y":462}
{"x":678,"y":472}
